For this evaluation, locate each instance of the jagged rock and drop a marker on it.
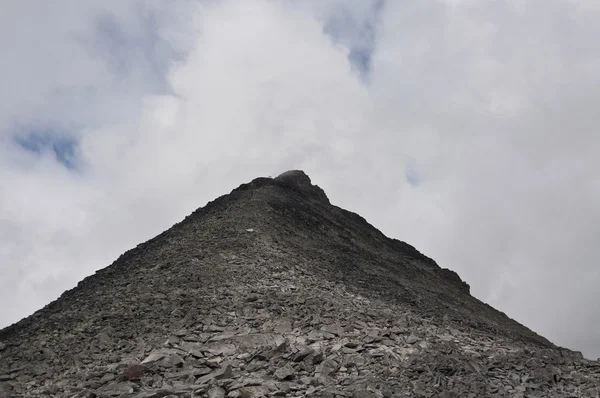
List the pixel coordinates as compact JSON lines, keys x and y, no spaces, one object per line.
{"x":118,"y":389}
{"x":412,"y":339}
{"x":303,"y":353}
{"x":286,"y":372}
{"x":225,"y":372}
{"x":313,"y":302}
{"x":328,"y":366}
{"x":363,"y":394}
{"x":192,"y":348}
{"x":156,"y":394}
{"x":216,"y":392}
{"x":297,"y":179}
{"x":164,"y":358}
{"x":222,"y":349}
{"x":335,"y":330}
{"x":153,"y":357}
{"x":134,"y":372}
{"x":252,"y":392}
{"x":252,"y":298}
{"x":317,"y":358}
{"x":283,"y":326}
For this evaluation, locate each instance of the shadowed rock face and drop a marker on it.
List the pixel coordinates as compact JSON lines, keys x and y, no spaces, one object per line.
{"x":272,"y":291}
{"x":298,"y":180}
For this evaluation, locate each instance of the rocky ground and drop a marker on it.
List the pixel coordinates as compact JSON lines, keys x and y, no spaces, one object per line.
{"x":272,"y":291}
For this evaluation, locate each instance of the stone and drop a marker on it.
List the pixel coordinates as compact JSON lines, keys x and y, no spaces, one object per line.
{"x":412,"y":339}
{"x":335,"y":330}
{"x":253,"y":392}
{"x":283,"y":326}
{"x":171,"y":359}
{"x":104,"y":338}
{"x":363,"y":394}
{"x":302,"y":354}
{"x":317,"y":358}
{"x":216,"y":392}
{"x":161,"y":393}
{"x":329,"y":366}
{"x":194,"y":349}
{"x":252,"y":298}
{"x":225,"y":372}
{"x":285,"y":372}
{"x":223,"y":349}
{"x":306,"y":380}
{"x":118,"y":389}
{"x":153,"y":357}
{"x":134,"y":372}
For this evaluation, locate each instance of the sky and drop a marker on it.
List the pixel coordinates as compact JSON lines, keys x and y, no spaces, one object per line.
{"x":467,"y":128}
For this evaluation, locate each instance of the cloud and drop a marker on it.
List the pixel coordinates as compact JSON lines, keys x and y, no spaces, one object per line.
{"x":505,"y":93}
{"x":465,"y":128}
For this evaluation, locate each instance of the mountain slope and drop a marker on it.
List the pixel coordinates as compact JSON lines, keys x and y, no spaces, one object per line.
{"x":273,"y":291}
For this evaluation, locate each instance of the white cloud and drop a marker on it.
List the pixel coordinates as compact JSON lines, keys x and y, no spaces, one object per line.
{"x":507,"y":94}
{"x":491,"y":104}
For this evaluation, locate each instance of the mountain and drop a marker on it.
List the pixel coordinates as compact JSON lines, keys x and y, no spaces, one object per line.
{"x":273,"y":291}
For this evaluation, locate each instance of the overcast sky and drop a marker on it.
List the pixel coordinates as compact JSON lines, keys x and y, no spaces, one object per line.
{"x":468,"y":128}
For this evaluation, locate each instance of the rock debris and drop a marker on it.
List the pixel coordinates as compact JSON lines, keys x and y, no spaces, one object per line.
{"x":271,"y":291}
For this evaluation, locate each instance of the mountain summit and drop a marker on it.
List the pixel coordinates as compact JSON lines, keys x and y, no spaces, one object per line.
{"x":273,"y":291}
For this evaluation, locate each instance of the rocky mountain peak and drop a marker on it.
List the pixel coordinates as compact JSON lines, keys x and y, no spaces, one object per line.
{"x":300,"y":181}
{"x":272,"y":291}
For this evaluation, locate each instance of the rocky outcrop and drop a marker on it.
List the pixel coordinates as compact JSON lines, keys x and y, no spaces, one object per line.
{"x":272,"y":291}
{"x":298,"y":180}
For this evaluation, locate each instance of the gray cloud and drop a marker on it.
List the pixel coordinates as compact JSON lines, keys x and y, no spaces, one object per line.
{"x":472,"y":137}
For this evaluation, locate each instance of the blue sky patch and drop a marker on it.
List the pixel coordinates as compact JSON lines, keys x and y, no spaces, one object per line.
{"x":412,"y":175}
{"x":357,"y":32}
{"x":361,"y":59}
{"x":61,"y":146}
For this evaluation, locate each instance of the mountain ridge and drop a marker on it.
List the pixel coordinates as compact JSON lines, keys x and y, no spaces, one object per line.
{"x":274,"y":251}
{"x":296,"y":180}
